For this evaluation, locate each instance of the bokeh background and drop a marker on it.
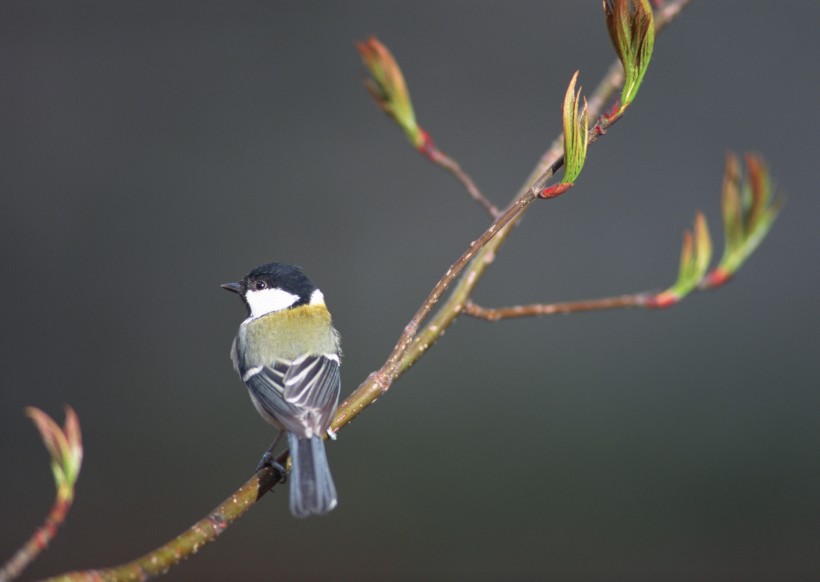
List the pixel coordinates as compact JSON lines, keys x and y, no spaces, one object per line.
{"x":153,"y":150}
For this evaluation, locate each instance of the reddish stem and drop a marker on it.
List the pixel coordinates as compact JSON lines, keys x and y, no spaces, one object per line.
{"x":430,"y":151}
{"x":717,"y":277}
{"x":37,"y":542}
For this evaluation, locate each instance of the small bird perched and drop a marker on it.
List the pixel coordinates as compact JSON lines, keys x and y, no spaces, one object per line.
{"x":287,"y":354}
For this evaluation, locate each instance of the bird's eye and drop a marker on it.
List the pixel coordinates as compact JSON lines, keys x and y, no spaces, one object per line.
{"x":260,"y":285}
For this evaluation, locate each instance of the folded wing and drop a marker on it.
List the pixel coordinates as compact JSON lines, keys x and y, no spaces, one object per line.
{"x":301,"y":395}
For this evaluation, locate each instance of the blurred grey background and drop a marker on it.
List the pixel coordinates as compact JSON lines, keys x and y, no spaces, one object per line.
{"x":153,"y":150}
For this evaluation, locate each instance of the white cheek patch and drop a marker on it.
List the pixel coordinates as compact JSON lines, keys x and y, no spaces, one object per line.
{"x":269,"y":300}
{"x":317,"y":298}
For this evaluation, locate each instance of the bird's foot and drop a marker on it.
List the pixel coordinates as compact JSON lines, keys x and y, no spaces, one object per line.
{"x":269,"y":460}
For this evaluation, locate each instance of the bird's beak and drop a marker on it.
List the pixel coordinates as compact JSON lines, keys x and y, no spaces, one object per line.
{"x":233,"y":287}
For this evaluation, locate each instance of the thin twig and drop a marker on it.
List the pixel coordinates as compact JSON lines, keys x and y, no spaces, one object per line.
{"x":713,"y":280}
{"x":606,"y":88}
{"x":413,"y":343}
{"x":38,"y":541}
{"x":379,"y":382}
{"x":444,"y":161}
{"x":65,"y":447}
{"x":540,"y":309}
{"x":463,"y":289}
{"x":188,"y":542}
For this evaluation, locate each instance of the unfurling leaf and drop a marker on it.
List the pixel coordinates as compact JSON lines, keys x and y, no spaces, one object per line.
{"x":748,"y":213}
{"x":64,"y":445}
{"x":388,"y":89}
{"x":631,"y":28}
{"x":576,"y":132}
{"x":696,"y":253}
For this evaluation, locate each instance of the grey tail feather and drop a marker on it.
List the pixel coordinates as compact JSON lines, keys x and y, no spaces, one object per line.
{"x":312,"y":491}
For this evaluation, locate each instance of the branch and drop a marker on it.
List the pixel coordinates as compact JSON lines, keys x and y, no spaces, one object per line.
{"x":65,"y":448}
{"x":749,"y":211}
{"x":413,"y":342}
{"x":188,"y":542}
{"x":539,"y":309}
{"x":463,"y":289}
{"x":611,"y":82}
{"x":37,"y":542}
{"x":379,"y":382}
{"x":648,"y":300}
{"x":465,"y":272}
{"x":388,"y":88}
{"x":438,"y":157}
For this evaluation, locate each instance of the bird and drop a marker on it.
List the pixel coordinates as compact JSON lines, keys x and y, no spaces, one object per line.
{"x":288,"y":354}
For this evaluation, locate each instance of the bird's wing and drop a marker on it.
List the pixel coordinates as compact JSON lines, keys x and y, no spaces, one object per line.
{"x":301,"y":395}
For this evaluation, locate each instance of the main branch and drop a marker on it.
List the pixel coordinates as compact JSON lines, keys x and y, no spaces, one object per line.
{"x":463,"y":275}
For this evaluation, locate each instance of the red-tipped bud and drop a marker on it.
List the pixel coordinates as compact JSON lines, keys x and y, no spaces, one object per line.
{"x":555,"y":190}
{"x":748,"y":210}
{"x":65,"y":447}
{"x":388,"y":89}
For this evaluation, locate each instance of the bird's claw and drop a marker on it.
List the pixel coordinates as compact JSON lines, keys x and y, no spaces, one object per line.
{"x":268,"y":460}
